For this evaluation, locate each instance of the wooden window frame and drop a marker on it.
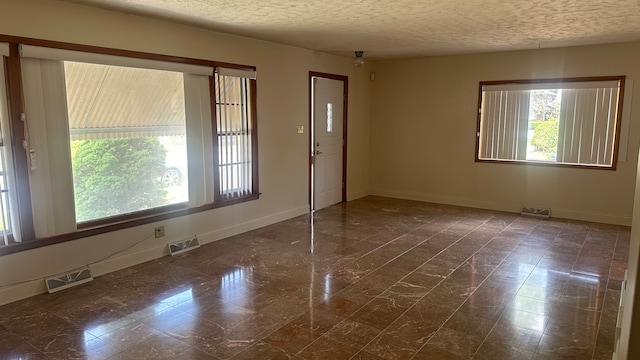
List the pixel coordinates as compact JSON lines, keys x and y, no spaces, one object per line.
{"x":13,"y":71}
{"x":618,"y":121}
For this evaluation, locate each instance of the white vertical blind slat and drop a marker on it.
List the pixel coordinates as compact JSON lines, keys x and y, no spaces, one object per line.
{"x":51,"y":176}
{"x":8,"y":167}
{"x":199,"y":147}
{"x":4,"y":49}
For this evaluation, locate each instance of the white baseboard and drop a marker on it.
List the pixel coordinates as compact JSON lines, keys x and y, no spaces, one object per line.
{"x":614,"y":219}
{"x":24,"y":290}
{"x":236,"y":229}
{"x":356,"y":195}
{"x":149,"y":254}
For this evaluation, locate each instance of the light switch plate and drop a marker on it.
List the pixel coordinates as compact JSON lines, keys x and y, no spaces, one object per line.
{"x":299,"y":129}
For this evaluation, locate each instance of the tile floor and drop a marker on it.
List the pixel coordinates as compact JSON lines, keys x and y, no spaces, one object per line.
{"x":375,"y":278}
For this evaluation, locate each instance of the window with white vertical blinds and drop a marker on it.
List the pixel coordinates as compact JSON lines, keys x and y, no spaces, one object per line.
{"x":112,"y":139}
{"x":556,"y":121}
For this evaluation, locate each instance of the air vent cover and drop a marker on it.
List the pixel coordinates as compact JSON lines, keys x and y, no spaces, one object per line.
{"x":539,"y":212}
{"x":69,"y":279}
{"x":184,"y":245}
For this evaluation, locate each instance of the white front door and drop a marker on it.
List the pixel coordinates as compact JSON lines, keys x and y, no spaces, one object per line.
{"x":327,"y":146}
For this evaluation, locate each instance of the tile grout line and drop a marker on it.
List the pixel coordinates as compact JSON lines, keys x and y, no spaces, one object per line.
{"x":502,"y":313}
{"x":370,"y":301}
{"x":606,"y":290}
{"x":462,"y":263}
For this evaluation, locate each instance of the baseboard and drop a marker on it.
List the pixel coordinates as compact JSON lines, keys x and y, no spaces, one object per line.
{"x":31,"y":288}
{"x":159,"y":251}
{"x":356,"y":195}
{"x":22,"y":291}
{"x":614,"y":219}
{"x":128,"y":260}
{"x":236,"y":229}
{"x":593,"y":217}
{"x":449,"y":200}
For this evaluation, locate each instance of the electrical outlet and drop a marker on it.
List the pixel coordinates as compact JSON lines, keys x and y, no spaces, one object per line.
{"x":159,"y":231}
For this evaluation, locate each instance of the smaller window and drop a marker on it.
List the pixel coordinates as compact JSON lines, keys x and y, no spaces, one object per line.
{"x":235,"y":125}
{"x":554,"y":121}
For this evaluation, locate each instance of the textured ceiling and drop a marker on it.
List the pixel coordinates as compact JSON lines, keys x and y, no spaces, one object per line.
{"x":403,"y":28}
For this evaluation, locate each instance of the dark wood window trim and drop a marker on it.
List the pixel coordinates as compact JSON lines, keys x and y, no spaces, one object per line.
{"x":15,"y":104}
{"x":254,"y":139}
{"x":616,"y":146}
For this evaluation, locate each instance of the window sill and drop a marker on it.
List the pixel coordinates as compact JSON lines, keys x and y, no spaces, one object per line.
{"x":548,"y":163}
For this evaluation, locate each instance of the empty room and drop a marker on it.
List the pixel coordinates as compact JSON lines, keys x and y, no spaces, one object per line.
{"x":197,"y":179}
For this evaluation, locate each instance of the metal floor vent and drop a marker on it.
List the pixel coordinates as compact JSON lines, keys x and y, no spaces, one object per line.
{"x":539,"y":212}
{"x":184,"y":245}
{"x":69,"y":279}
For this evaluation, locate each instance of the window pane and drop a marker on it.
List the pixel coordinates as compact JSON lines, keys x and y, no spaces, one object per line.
{"x":127,"y":131}
{"x":542,"y":135}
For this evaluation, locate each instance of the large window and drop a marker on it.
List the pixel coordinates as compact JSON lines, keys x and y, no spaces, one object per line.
{"x":114,"y":138}
{"x":127,"y":139}
{"x":573,"y":122}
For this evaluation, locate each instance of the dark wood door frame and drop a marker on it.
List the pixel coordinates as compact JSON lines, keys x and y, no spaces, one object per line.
{"x":345,"y":100}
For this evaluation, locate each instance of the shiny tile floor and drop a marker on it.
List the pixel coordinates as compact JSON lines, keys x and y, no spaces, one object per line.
{"x":375,"y":278}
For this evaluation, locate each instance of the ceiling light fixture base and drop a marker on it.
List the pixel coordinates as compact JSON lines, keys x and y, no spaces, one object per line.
{"x":359,"y":59}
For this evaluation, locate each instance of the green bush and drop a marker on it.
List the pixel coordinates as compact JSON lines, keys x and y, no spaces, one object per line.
{"x":545,"y":137}
{"x":117,"y":176}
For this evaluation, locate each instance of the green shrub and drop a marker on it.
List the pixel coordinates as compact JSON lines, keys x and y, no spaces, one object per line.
{"x":117,"y":176}
{"x":545,"y":137}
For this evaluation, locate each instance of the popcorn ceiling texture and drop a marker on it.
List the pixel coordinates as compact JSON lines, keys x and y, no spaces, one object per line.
{"x":403,"y":28}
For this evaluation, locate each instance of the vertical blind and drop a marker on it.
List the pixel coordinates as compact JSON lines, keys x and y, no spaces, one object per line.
{"x":505,"y":117}
{"x":234,"y":132}
{"x":4,"y":49}
{"x":587,"y":125}
{"x":8,"y":202}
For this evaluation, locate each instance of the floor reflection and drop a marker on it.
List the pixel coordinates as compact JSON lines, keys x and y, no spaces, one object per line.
{"x":352,"y":281}
{"x":234,"y":286}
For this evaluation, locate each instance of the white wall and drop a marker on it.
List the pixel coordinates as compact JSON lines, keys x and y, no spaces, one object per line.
{"x":424,"y":117}
{"x":283,"y":103}
{"x":629,"y":346}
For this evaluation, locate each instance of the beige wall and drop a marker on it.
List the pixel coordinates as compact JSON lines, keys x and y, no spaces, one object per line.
{"x":424,"y":115}
{"x":282,"y":104}
{"x":629,"y":341}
